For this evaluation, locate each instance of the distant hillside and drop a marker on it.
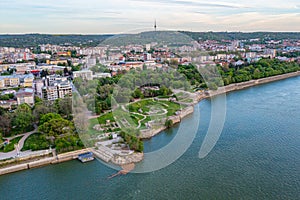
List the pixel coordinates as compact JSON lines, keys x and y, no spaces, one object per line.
{"x":242,"y":36}
{"x":170,"y":38}
{"x":162,"y":37}
{"x":33,"y":40}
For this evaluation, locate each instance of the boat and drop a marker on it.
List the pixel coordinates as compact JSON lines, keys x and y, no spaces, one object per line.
{"x":86,"y":157}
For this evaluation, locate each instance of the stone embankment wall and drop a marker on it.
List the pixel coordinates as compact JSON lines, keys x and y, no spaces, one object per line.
{"x":41,"y":162}
{"x":146,"y":134}
{"x":243,"y":85}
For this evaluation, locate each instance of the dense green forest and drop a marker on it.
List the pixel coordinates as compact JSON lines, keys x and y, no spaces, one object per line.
{"x":168,"y":37}
{"x":33,"y":40}
{"x":236,"y":74}
{"x":242,"y":36}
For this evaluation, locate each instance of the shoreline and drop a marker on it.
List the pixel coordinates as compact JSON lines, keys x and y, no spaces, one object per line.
{"x":211,"y":93}
{"x":251,"y":83}
{"x":39,"y":162}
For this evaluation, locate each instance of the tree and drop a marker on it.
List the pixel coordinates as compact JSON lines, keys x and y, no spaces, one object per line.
{"x":44,"y":73}
{"x":65,"y":107}
{"x":137,"y":93}
{"x":22,"y":122}
{"x":59,"y":72}
{"x":37,"y":100}
{"x":40,"y":110}
{"x":48,"y":117}
{"x":256,"y":74}
{"x":76,"y":68}
{"x":5,"y":124}
{"x":169,"y":123}
{"x":4,"y":97}
{"x":66,"y":71}
{"x":56,"y":127}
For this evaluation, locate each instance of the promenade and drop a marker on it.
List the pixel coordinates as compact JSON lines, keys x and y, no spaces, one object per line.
{"x":17,"y":151}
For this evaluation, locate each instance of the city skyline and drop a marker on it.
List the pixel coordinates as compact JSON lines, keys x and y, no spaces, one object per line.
{"x":131,"y":16}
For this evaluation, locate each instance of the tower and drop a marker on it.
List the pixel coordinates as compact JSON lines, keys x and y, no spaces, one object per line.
{"x":155,"y":25}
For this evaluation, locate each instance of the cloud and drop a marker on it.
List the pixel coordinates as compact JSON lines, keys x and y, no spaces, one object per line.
{"x":94,"y":16}
{"x":192,"y":3}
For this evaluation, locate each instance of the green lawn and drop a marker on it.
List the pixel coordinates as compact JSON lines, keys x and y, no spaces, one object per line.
{"x":92,"y":123}
{"x":171,"y":107}
{"x":123,"y":117}
{"x":126,"y":119}
{"x":145,"y":106}
{"x":11,"y":145}
{"x":107,"y":116}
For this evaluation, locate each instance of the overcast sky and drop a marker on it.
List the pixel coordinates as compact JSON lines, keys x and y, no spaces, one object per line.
{"x":129,"y":16}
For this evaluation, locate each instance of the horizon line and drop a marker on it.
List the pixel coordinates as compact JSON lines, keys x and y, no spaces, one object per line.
{"x":41,"y":33}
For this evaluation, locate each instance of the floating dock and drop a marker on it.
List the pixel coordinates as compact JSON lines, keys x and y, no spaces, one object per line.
{"x":86,"y":157}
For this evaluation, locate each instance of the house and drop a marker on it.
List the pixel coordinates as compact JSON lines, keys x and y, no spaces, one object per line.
{"x":11,"y":81}
{"x":25,"y":95}
{"x":27,"y":80}
{"x":239,"y":62}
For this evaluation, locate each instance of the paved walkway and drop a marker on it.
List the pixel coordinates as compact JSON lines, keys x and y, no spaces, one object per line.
{"x":17,"y":151}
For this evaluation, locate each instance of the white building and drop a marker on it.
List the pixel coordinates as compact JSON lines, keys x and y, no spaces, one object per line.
{"x":84,"y":74}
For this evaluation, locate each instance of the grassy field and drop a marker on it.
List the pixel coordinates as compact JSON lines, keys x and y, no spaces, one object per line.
{"x":145,"y":110}
{"x":107,"y":116}
{"x":11,"y":145}
{"x":92,"y":123}
{"x":145,"y":106}
{"x":171,"y":107}
{"x":126,"y":119}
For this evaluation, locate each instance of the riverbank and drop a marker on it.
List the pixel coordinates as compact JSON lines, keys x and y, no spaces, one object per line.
{"x":147,"y":134}
{"x":42,"y":161}
{"x":247,"y":84}
{"x":30,"y":162}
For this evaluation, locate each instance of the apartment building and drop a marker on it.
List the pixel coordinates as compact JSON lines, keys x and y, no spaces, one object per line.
{"x":84,"y":74}
{"x":54,"y":87}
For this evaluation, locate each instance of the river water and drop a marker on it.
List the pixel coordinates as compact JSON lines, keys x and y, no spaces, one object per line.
{"x":256,"y":157}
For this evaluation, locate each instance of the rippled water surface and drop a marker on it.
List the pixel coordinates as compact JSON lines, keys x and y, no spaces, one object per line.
{"x":256,"y":157}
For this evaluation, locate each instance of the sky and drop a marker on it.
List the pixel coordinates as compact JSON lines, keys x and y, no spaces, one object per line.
{"x":132,"y":16}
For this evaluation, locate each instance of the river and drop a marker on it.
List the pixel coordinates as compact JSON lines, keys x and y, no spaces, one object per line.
{"x":256,"y":157}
